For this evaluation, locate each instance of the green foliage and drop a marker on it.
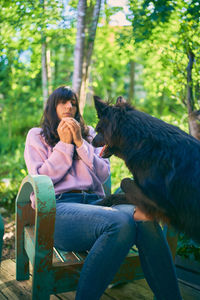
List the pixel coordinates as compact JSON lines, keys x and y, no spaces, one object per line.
{"x":118,"y":172}
{"x":165,"y":31}
{"x":188,"y":248}
{"x":110,"y":61}
{"x":12,"y":172}
{"x":147,"y":14}
{"x":90,"y":115}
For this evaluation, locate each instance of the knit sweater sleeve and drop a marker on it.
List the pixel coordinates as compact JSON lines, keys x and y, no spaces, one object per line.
{"x":40,"y":160}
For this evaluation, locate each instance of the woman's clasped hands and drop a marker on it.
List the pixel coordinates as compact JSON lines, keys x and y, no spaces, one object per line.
{"x":69,"y":132}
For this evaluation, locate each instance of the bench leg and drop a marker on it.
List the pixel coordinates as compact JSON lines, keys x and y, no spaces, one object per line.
{"x":42,"y":280}
{"x":22,"y":261}
{"x":39,"y":292}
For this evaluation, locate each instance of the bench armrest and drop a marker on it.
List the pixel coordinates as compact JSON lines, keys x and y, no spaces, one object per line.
{"x":43,"y":217}
{"x":43,"y":189}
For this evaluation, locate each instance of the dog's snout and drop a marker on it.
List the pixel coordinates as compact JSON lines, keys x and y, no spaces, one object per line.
{"x":98,"y":140}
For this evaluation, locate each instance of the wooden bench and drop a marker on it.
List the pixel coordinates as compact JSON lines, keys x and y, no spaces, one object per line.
{"x":55,"y":271}
{"x":1,"y":235}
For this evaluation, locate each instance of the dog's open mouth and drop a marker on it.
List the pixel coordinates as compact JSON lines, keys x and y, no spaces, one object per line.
{"x":105,"y":152}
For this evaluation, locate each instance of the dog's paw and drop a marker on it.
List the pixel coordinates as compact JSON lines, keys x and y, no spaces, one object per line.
{"x":107,"y":201}
{"x":114,"y":199}
{"x":102,"y":202}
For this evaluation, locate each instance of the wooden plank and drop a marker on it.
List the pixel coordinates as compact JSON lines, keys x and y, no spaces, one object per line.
{"x":13,"y":289}
{"x":137,"y":290}
{"x":71,"y":296}
{"x":65,"y":296}
{"x":64,"y":256}
{"x":21,"y":290}
{"x":2,"y":297}
{"x":188,"y":276}
{"x":189,"y":293}
{"x":188,"y":271}
{"x":9,"y":287}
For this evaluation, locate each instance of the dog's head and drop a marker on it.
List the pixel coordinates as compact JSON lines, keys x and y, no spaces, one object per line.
{"x":109,"y":133}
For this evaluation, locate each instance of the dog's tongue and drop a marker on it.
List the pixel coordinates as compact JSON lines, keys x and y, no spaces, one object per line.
{"x":102,"y":150}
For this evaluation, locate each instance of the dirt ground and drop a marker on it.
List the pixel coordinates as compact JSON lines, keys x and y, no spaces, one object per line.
{"x":8,"y":239}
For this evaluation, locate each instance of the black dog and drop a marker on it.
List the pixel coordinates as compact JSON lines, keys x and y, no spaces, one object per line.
{"x":164,"y":161}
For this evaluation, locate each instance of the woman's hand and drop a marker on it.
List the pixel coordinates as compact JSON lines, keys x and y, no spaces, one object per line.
{"x":64,"y":132}
{"x":75,"y":130}
{"x":140,"y":216}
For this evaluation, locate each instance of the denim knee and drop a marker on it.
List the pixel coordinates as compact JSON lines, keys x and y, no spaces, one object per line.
{"x":124,"y":227}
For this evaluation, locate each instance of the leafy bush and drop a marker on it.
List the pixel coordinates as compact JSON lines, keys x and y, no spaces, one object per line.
{"x":188,"y":248}
{"x":12,"y":172}
{"x":90,"y":115}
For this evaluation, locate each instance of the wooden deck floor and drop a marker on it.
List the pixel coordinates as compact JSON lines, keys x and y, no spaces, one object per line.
{"x":138,"y":290}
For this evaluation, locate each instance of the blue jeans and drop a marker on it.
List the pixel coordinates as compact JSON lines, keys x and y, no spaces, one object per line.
{"x":109,"y":233}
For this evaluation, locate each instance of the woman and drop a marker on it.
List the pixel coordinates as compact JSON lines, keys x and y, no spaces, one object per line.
{"x":62,"y":149}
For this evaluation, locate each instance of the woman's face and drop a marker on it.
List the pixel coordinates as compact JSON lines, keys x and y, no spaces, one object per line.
{"x":67,"y":109}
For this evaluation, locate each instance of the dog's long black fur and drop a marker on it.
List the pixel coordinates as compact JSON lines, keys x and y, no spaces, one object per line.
{"x":164,"y":161}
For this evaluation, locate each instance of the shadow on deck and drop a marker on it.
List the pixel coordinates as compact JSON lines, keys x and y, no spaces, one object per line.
{"x":138,"y":290}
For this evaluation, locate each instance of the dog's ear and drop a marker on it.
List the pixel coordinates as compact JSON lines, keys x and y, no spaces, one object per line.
{"x":120,"y":99}
{"x":99,"y":105}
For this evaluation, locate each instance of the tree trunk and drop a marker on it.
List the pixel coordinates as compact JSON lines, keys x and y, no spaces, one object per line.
{"x":192,"y":116}
{"x":44,"y":61}
{"x":79,"y":47}
{"x":194,"y":123}
{"x":132,"y":81}
{"x":55,"y":68}
{"x":88,"y":49}
{"x":197,"y":92}
{"x":44,"y":73}
{"x":190,"y":98}
{"x":92,"y":33}
{"x":49,"y":73}
{"x":83,"y":90}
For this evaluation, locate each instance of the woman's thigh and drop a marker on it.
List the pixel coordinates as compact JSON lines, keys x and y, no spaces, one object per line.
{"x":78,"y":226}
{"x":127,"y":208}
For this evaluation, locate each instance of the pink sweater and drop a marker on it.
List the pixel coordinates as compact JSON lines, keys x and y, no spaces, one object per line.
{"x":87,"y":173}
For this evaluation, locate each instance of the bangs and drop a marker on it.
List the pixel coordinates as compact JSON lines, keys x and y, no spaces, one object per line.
{"x":64,"y":94}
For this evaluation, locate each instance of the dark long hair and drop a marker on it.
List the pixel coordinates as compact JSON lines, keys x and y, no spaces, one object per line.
{"x":50,"y":120}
